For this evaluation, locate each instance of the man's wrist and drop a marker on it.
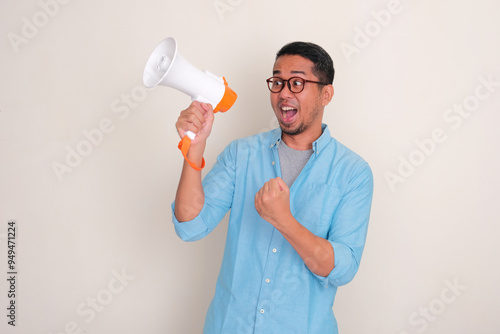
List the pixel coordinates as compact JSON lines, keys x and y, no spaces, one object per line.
{"x":286,"y":224}
{"x":195,"y":152}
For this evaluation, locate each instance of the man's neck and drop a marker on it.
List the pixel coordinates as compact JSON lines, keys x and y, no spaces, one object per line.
{"x":302,"y":141}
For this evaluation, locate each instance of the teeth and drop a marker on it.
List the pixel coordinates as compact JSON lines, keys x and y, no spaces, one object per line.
{"x":287,"y":108}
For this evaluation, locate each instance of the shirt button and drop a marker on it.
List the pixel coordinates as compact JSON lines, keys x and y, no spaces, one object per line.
{"x":273,"y":163}
{"x":262,"y":310}
{"x":268,"y":280}
{"x":274,"y":250}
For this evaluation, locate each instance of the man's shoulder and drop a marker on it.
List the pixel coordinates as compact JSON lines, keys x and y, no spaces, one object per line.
{"x":346,"y":152}
{"x":347,"y":158}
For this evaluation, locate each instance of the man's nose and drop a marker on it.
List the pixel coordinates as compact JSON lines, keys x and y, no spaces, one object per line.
{"x":285,"y":92}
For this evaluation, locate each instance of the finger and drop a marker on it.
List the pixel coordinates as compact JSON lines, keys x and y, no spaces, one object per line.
{"x":268,"y":187}
{"x":206,"y":107}
{"x":193,"y":115}
{"x":186,"y":121}
{"x":188,"y":127}
{"x":189,"y":121}
{"x":275,"y":186}
{"x":199,"y":105}
{"x":184,"y":126}
{"x":209,"y":117}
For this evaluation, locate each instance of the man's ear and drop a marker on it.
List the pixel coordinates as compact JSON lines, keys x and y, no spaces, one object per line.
{"x":327,"y":94}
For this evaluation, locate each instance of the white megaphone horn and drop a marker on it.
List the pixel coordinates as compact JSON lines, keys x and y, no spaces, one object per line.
{"x":167,"y":67}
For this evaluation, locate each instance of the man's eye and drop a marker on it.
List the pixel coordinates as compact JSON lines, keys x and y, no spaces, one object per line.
{"x":297,"y":83}
{"x":277,"y":83}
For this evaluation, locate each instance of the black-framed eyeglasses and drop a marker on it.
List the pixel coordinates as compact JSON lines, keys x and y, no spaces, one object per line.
{"x":295,"y":84}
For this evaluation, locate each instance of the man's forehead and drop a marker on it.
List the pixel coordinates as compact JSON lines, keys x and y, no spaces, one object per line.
{"x":293,"y":64}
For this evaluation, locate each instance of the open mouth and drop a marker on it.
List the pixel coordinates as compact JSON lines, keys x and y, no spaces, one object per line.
{"x":288,"y":114}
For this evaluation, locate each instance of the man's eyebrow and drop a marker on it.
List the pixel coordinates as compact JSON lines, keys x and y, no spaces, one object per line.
{"x":293,"y":72}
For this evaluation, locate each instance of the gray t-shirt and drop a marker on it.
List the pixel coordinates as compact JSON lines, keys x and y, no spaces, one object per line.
{"x":291,"y":162}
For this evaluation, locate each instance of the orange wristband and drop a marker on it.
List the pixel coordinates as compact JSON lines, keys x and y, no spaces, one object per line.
{"x":184,"y":145}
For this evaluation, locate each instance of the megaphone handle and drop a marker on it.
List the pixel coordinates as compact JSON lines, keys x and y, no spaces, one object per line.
{"x":184,"y":145}
{"x":190,"y":134}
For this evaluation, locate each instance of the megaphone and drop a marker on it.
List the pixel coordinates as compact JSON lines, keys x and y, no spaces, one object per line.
{"x":167,"y":67}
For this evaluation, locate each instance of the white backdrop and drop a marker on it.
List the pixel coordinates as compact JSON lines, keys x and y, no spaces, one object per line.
{"x":89,"y":163}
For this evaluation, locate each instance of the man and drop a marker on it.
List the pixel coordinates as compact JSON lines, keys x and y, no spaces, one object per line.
{"x":299,"y":200}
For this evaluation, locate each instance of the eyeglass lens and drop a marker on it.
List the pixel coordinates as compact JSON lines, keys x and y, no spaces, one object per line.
{"x":295,"y":84}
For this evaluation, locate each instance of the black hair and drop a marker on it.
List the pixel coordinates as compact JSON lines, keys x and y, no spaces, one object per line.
{"x":323,"y":63}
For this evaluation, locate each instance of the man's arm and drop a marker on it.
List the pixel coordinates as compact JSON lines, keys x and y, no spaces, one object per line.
{"x":190,"y":197}
{"x":273,"y":204}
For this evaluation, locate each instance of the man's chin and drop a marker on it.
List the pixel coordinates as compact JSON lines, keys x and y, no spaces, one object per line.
{"x":290,"y":129}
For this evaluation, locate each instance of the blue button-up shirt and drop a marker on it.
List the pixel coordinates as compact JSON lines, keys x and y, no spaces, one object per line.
{"x":264,"y":287}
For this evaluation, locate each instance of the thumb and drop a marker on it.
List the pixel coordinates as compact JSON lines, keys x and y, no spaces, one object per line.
{"x":208,"y":112}
{"x":208,"y":120}
{"x":209,"y":116}
{"x":282,"y":184}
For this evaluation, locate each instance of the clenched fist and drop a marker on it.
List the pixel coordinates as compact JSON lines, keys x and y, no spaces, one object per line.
{"x":272,"y":202}
{"x":197,"y":118}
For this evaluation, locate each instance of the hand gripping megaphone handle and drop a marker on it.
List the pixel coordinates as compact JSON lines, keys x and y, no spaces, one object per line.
{"x":224,"y":105}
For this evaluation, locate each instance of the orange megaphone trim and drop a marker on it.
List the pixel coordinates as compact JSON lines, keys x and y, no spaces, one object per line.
{"x":224,"y":105}
{"x":227,"y":100}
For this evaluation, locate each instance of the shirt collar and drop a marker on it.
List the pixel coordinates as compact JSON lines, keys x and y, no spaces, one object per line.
{"x":318,"y":145}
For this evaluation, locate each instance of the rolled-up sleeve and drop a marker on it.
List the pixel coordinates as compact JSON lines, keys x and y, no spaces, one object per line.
{"x":195,"y":229}
{"x":349,"y":227}
{"x":218,"y":187}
